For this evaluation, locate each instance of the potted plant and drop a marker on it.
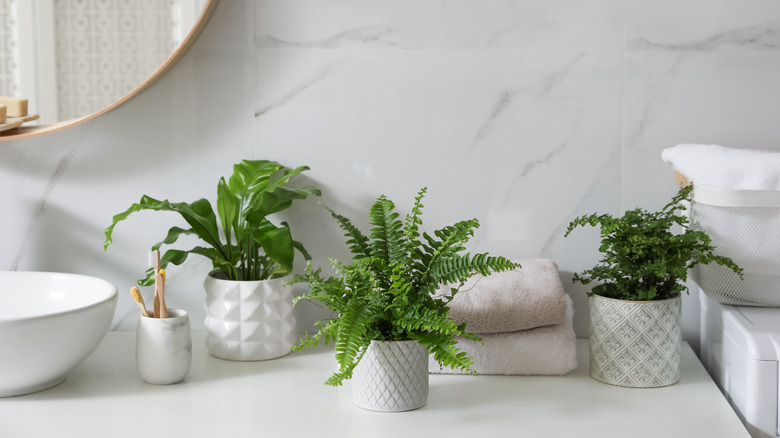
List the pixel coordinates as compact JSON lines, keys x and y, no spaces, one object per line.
{"x":248,"y":304}
{"x":635,"y":310}
{"x":387,"y":320}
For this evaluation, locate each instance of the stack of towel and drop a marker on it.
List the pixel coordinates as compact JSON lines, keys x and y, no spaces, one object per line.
{"x":524,"y":319}
{"x":726,"y":168}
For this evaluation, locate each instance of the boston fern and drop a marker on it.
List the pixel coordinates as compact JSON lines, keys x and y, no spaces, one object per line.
{"x":387,"y":292}
{"x":250,"y":246}
{"x":642,"y":259}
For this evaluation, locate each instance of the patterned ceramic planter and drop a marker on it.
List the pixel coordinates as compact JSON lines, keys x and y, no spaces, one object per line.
{"x":249,"y":320}
{"x":635,"y":343}
{"x":391,"y":377}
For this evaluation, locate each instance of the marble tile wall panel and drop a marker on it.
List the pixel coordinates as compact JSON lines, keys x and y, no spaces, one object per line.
{"x":595,"y":25}
{"x":703,"y":25}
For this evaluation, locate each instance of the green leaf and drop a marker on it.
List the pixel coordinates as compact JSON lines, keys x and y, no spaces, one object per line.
{"x":172,"y":237}
{"x":352,"y":326}
{"x":642,"y":258}
{"x":302,"y":250}
{"x":445,"y":351}
{"x":387,"y":236}
{"x":277,"y":243}
{"x":199,"y":215}
{"x":177,"y":257}
{"x":413,"y":221}
{"x":276,"y":201}
{"x":249,"y":181}
{"x":227,"y":208}
{"x":357,"y":242}
{"x":456,"y":270}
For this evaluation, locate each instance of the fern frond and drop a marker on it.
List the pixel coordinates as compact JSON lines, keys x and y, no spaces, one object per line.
{"x":413,"y":221}
{"x":457,"y":233}
{"x":338,"y":378}
{"x":387,"y":237}
{"x":352,"y":326}
{"x":459,"y":269}
{"x":400,"y":287}
{"x":325,"y":328}
{"x":330,"y":291}
{"x":429,"y":320}
{"x":357,"y":242}
{"x":451,"y":240}
{"x":445,"y":351}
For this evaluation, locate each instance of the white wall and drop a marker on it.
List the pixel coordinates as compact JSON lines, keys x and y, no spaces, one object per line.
{"x":521,"y":113}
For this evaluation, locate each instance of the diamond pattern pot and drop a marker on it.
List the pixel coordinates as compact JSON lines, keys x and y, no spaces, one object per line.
{"x":635,"y":343}
{"x":391,"y":377}
{"x":249,"y":320}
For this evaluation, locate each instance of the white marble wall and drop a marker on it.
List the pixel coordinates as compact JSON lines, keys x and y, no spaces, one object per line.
{"x":521,"y":113}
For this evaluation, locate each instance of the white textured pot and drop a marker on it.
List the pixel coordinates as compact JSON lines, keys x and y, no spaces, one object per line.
{"x":391,"y":377}
{"x":635,"y":344}
{"x":248,"y":320}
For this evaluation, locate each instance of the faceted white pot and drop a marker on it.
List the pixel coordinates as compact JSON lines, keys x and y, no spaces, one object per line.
{"x":635,"y":344}
{"x":248,"y":320}
{"x":391,"y":377}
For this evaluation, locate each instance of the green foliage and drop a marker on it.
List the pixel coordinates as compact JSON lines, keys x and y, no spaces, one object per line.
{"x":387,"y":292}
{"x":642,"y":259}
{"x":253,"y":248}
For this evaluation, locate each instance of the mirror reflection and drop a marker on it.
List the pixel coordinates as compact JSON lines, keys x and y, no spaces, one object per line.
{"x":71,"y":58}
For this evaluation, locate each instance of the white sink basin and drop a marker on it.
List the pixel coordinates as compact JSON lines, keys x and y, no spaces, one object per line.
{"x":49,"y":323}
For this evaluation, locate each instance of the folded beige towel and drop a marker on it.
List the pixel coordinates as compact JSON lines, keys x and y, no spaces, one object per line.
{"x":509,"y":301}
{"x":550,"y":350}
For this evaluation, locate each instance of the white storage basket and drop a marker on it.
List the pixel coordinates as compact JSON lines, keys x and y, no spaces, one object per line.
{"x":745,"y":226}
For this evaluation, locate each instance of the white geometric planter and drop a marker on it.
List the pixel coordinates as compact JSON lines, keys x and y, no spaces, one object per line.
{"x":391,"y":377}
{"x":248,"y":320}
{"x":635,"y":344}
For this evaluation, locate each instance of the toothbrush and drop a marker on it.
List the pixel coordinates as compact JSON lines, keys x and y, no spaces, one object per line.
{"x":159,"y":281}
{"x":139,"y":300}
{"x":156,"y":255}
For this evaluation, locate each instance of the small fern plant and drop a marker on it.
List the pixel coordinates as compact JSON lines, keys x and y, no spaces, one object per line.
{"x":387,"y":292}
{"x":643,"y":260}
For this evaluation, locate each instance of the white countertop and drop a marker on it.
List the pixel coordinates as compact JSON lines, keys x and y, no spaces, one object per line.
{"x":286,"y":397}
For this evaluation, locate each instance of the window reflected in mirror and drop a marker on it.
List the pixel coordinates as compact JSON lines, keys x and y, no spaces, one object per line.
{"x":72,"y":58}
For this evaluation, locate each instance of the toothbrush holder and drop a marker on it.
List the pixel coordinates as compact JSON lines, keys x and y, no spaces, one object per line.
{"x":163,"y":349}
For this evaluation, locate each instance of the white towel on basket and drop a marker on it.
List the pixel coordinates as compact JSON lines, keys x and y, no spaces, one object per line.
{"x":726,"y":168}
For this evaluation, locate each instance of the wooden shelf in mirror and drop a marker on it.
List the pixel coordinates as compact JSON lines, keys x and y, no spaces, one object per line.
{"x":28,"y":131}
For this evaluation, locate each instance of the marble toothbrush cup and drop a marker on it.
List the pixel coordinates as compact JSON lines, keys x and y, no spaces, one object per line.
{"x":164,"y":348}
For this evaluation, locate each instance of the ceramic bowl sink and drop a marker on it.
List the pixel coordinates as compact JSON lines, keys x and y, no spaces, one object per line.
{"x":49,"y":323}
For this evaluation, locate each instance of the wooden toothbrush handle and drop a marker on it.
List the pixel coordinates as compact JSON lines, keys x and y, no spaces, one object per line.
{"x":156,"y":303}
{"x":159,"y":281}
{"x":156,"y":284}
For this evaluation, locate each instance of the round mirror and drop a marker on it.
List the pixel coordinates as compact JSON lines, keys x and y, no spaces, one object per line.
{"x":73,"y":60}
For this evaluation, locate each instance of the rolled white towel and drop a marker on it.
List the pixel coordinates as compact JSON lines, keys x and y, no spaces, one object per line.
{"x":726,"y":168}
{"x":550,"y":350}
